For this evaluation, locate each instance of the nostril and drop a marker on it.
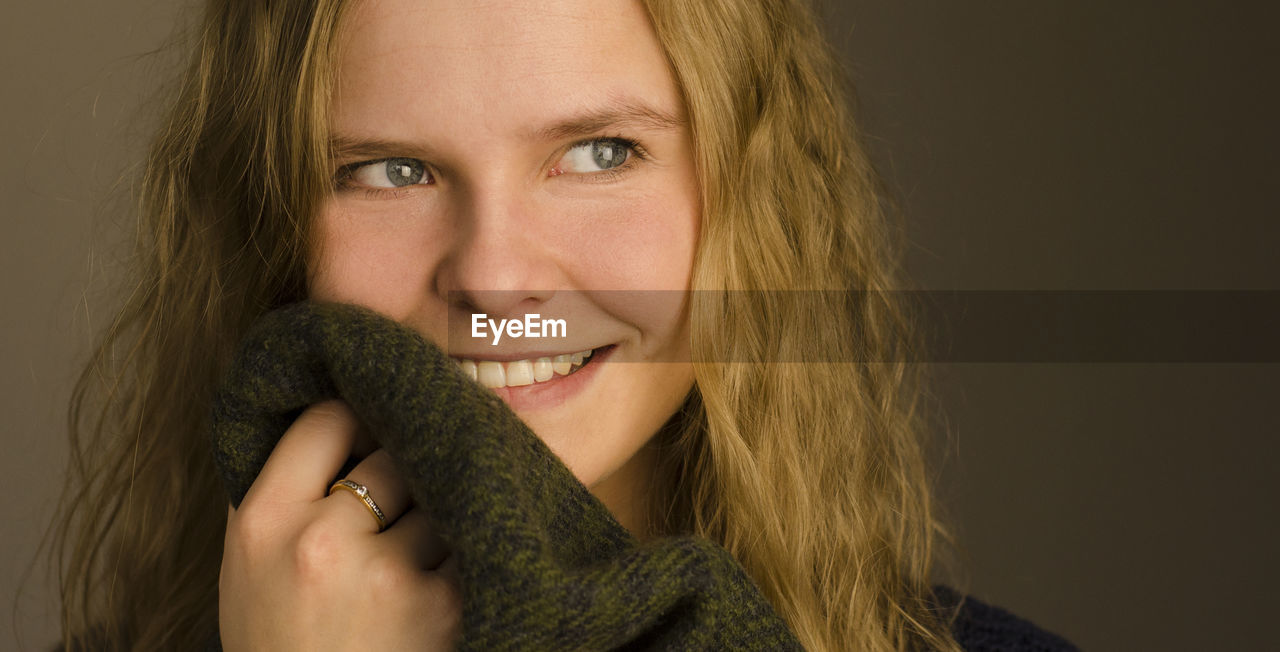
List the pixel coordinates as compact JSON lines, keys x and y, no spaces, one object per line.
{"x":498,"y":303}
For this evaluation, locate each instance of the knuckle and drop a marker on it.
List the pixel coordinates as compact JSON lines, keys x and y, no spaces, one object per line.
{"x":252,"y":529}
{"x":316,"y":553}
{"x":388,"y":576}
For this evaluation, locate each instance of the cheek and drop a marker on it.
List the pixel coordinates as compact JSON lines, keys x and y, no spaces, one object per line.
{"x":641,"y":242}
{"x":374,"y":259}
{"x":644,"y":261}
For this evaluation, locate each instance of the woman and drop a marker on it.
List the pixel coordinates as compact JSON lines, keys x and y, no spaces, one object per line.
{"x":422,"y":159}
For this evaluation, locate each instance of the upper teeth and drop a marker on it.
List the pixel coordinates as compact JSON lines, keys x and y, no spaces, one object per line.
{"x":517,"y":373}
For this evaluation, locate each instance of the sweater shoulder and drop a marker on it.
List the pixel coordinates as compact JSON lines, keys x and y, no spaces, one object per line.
{"x":980,"y":627}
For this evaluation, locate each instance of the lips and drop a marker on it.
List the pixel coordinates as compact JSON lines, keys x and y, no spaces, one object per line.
{"x":495,"y":374}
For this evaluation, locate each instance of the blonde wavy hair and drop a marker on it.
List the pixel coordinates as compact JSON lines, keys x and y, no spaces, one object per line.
{"x":812,"y":474}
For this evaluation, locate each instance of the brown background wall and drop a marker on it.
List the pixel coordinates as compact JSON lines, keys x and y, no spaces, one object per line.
{"x":1034,"y":146}
{"x":1095,"y":145}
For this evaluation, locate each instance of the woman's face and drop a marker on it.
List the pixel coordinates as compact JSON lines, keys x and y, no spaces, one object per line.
{"x":508,"y":159}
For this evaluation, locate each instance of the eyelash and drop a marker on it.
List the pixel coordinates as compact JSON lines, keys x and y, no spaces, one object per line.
{"x":342,"y":178}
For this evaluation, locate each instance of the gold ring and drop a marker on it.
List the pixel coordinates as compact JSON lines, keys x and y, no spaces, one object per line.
{"x":362,"y":492}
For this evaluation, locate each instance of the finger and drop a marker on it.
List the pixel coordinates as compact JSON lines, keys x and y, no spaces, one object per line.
{"x":309,"y":454}
{"x":414,"y":537}
{"x":377,"y":473}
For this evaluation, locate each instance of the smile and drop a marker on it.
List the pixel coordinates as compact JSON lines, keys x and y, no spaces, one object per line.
{"x":495,"y":374}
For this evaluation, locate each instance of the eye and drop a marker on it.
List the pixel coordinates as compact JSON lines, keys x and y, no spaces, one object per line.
{"x":595,"y":156}
{"x":389,"y":173}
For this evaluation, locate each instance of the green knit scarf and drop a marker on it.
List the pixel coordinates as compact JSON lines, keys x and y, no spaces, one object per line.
{"x":543,"y":564}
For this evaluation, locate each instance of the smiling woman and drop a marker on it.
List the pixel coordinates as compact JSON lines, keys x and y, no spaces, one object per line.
{"x":432,"y":161}
{"x":524,"y":174}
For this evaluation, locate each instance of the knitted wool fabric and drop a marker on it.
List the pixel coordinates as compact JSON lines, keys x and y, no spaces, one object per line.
{"x":543,"y":564}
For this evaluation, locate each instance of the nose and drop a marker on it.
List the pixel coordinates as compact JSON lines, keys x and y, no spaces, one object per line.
{"x":496,"y":263}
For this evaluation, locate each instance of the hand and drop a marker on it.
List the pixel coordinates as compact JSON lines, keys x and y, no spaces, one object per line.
{"x":302,"y":570}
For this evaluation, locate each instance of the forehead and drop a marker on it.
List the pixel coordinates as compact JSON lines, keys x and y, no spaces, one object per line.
{"x":417,"y":67}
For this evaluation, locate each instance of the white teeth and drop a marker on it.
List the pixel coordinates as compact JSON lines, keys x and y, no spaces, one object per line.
{"x":519,"y":373}
{"x":562,"y":364}
{"x":542,"y":370}
{"x":492,"y":374}
{"x":468,"y":368}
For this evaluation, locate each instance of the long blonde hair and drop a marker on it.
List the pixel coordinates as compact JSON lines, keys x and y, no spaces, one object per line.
{"x":229,"y":183}
{"x":811,"y":473}
{"x":820,"y":493}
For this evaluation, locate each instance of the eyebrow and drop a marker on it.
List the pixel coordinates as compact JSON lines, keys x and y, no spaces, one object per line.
{"x":345,"y":147}
{"x":621,"y":113}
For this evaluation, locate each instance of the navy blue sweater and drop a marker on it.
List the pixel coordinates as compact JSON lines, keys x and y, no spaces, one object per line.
{"x":981,"y":627}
